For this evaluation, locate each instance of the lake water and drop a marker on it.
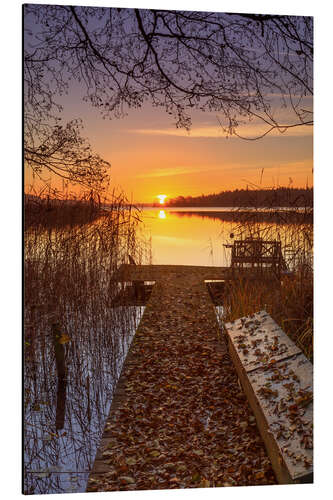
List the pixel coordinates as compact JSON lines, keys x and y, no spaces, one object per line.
{"x":64,"y":423}
{"x":184,"y":240}
{"x":196,"y":236}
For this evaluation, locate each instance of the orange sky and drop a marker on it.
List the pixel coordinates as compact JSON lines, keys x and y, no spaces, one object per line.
{"x":150,"y":156}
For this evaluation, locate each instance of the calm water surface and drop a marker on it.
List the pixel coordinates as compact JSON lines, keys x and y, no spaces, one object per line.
{"x":193,"y":236}
{"x":64,"y":421}
{"x":185,"y":240}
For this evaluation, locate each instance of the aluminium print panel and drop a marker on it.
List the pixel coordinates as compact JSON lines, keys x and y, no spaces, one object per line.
{"x":142,"y":299}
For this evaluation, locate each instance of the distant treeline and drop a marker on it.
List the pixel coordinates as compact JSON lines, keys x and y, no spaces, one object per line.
{"x":256,"y":216}
{"x":277,"y":197}
{"x":53,"y":212}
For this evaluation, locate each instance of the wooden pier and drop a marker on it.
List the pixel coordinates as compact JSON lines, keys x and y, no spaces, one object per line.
{"x":178,"y":418}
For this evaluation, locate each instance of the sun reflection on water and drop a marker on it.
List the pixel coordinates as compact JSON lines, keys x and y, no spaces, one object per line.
{"x":162,"y":214}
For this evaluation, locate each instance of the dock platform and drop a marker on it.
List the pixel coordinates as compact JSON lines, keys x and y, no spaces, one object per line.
{"x":178,"y":418}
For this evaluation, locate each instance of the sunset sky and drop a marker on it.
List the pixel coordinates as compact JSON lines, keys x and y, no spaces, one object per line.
{"x":150,"y":156}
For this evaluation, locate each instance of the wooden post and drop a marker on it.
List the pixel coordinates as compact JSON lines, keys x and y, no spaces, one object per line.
{"x":59,"y":350}
{"x":139,"y":288}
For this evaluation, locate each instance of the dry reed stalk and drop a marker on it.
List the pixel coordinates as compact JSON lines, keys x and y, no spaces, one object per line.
{"x":71,"y":252}
{"x":289,"y":300}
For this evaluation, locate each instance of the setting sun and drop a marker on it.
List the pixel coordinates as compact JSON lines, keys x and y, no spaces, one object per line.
{"x":162,"y":197}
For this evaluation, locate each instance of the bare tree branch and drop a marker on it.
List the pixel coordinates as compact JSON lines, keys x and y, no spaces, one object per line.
{"x":241,"y":66}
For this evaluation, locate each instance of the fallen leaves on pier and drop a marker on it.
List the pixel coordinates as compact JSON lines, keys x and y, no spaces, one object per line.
{"x":184,"y":423}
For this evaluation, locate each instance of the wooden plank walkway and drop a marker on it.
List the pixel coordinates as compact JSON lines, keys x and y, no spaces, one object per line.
{"x":128,"y":272}
{"x":278,"y":381}
{"x":178,"y":418}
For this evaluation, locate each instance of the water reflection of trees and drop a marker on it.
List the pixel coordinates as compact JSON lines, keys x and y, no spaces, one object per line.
{"x":285,"y":216}
{"x":64,"y":418}
{"x":75,"y":342}
{"x":293,"y":229}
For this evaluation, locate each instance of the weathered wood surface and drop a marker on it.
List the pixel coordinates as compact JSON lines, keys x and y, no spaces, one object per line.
{"x":259,"y":339}
{"x":178,"y":418}
{"x":278,"y":382}
{"x":130,"y":295}
{"x":129,"y":273}
{"x":257,"y":253}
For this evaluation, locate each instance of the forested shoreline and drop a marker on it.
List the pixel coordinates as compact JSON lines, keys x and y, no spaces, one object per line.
{"x":277,"y":197}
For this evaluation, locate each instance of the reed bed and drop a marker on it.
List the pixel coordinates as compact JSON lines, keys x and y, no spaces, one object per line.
{"x":74,"y":339}
{"x":289,"y":298}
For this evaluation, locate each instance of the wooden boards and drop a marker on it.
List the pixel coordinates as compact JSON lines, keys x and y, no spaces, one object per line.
{"x":178,"y":418}
{"x":278,"y":382}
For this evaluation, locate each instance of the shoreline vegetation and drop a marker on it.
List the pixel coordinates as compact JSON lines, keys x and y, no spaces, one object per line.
{"x":258,"y":197}
{"x":74,"y":337}
{"x":289,"y":300}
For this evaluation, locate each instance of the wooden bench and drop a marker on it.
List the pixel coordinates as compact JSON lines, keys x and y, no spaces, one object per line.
{"x":257,"y":253}
{"x":278,"y":381}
